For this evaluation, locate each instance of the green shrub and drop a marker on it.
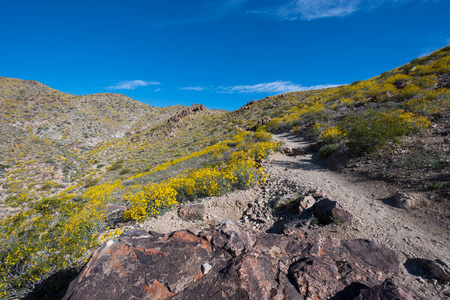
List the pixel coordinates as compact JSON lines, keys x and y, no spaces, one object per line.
{"x":368,"y":132}
{"x":326,"y":151}
{"x":115,"y":166}
{"x":90,"y":181}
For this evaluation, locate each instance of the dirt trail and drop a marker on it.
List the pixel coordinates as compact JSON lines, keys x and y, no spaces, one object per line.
{"x":411,"y":233}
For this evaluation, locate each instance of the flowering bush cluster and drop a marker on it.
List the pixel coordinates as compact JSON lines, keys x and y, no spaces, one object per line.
{"x":332,"y":135}
{"x":53,"y":234}
{"x":241,"y":171}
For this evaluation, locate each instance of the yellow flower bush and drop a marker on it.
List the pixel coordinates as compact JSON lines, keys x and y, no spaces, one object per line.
{"x":54,"y":233}
{"x":332,"y":134}
{"x":241,"y":171}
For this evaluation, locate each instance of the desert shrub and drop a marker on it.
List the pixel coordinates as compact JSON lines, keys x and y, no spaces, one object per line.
{"x":367,"y":132}
{"x":432,"y":104}
{"x":124,"y":171}
{"x":408,"y":92}
{"x":115,"y":166}
{"x":90,"y":181}
{"x":382,"y":93}
{"x":332,"y":135}
{"x":326,"y":150}
{"x":428,"y":81}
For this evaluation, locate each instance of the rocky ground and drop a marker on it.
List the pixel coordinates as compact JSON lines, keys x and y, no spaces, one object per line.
{"x":302,"y":195}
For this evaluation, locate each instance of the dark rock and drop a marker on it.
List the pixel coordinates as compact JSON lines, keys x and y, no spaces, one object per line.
{"x":443,"y":81}
{"x":264,"y":121}
{"x":374,"y":254}
{"x":328,"y":211}
{"x":438,"y":268}
{"x":400,"y":84}
{"x":192,"y":110}
{"x":229,"y":262}
{"x":191,"y":212}
{"x":317,"y":194}
{"x":388,"y":290}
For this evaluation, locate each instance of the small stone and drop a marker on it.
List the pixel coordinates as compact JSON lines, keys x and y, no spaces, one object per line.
{"x":306,"y":202}
{"x":206,"y":268}
{"x":404,"y":200}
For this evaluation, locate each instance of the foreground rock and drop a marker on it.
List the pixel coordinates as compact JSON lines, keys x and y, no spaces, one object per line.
{"x":229,"y":262}
{"x":438,"y":268}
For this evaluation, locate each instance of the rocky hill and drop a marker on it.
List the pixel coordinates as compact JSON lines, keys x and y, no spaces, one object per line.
{"x":78,"y":171}
{"x":84,"y":121}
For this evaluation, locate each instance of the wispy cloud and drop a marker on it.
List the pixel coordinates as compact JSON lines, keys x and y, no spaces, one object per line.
{"x":131,"y":84}
{"x":315,"y":9}
{"x":193,"y":88}
{"x":276,"y":87}
{"x":272,"y":87}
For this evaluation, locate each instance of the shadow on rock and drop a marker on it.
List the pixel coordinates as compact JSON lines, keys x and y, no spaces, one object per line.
{"x":54,"y":287}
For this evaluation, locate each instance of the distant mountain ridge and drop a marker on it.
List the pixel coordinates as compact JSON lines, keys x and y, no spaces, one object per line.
{"x":86,"y":120}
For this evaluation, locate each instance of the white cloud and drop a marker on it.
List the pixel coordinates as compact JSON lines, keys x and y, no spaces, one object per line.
{"x":315,"y":9}
{"x":193,"y":88}
{"x":276,"y":87}
{"x":131,"y":85}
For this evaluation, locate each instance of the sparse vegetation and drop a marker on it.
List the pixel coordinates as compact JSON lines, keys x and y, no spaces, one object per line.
{"x":133,"y":156}
{"x":326,"y":150}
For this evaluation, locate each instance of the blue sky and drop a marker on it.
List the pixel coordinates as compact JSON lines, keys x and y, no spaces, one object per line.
{"x":222,"y":53}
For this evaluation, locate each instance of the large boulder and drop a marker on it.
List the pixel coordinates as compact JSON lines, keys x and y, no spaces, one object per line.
{"x":228,"y":261}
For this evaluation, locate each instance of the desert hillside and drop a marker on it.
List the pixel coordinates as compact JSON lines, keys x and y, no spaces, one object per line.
{"x":82,"y":172}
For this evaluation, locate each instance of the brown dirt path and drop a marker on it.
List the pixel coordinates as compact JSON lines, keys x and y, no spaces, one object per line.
{"x":411,"y":233}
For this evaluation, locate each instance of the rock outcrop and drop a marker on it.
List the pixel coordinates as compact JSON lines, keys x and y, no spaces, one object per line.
{"x":191,"y":110}
{"x":444,"y":81}
{"x":227,"y":261}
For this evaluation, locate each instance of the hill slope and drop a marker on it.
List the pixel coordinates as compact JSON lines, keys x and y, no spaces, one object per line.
{"x":68,"y":161}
